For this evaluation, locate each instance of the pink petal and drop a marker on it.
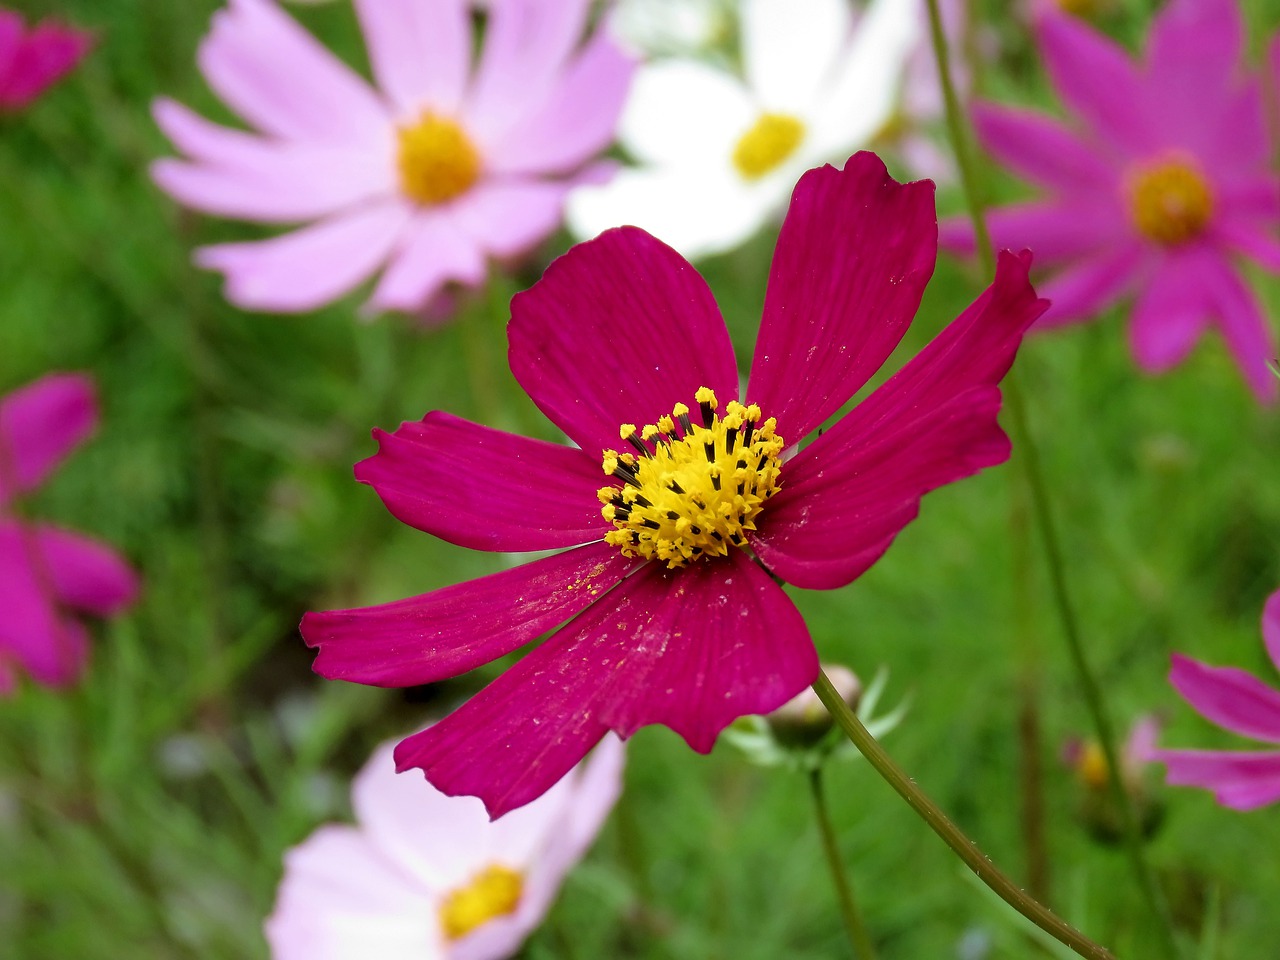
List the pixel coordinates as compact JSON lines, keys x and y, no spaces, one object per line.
{"x":1171,"y":311}
{"x":307,"y":268}
{"x":1043,"y":150}
{"x":526,"y":47}
{"x":46,"y":54}
{"x":51,"y":647}
{"x":87,"y":575}
{"x":1239,"y":780}
{"x":855,"y":253}
{"x":1244,"y":327}
{"x":433,"y":252}
{"x":1096,"y":79}
{"x":506,"y":218}
{"x":618,"y":330}
{"x":1085,"y":289}
{"x":1255,"y":240}
{"x":842,"y":504}
{"x":693,"y":649}
{"x":485,"y":489}
{"x":446,"y":632}
{"x":577,"y":119}
{"x":1271,"y":627}
{"x":1231,"y":698}
{"x":1256,"y":197}
{"x":12,"y":29}
{"x":1056,"y":230}
{"x":40,"y":424}
{"x":280,"y":79}
{"x":420,"y":52}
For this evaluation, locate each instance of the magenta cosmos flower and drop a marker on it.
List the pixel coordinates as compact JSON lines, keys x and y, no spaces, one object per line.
{"x":444,"y":164}
{"x":664,"y":614}
{"x":46,"y":572}
{"x":428,"y":876}
{"x":1239,"y":702}
{"x":1159,"y":186}
{"x":33,"y":60}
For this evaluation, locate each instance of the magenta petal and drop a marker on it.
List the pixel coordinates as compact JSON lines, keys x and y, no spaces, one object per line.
{"x":855,"y":253}
{"x":486,"y":489}
{"x":49,"y":646}
{"x":1271,"y":627}
{"x":1244,"y":326}
{"x":1233,"y":699}
{"x":1058,"y":230}
{"x":40,"y":424}
{"x":1171,"y":311}
{"x":1083,"y":290}
{"x":618,"y":330}
{"x":1193,"y":57}
{"x":846,"y":496}
{"x":87,"y":575}
{"x":1043,"y":150}
{"x":446,"y":632}
{"x":41,"y":58}
{"x":1240,"y":780}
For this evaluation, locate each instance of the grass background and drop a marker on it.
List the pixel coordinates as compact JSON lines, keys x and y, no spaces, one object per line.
{"x":145,"y":812}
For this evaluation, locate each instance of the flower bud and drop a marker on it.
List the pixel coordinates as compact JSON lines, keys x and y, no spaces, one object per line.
{"x":802,"y":721}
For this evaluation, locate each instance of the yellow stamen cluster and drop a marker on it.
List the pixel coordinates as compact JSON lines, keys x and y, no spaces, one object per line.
{"x":769,"y":142}
{"x":1170,"y":200}
{"x":436,"y":159}
{"x":494,"y":892}
{"x":691,"y":490}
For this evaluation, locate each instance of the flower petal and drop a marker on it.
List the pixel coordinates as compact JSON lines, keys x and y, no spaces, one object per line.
{"x":40,"y":58}
{"x":506,"y":218}
{"x":486,"y":489}
{"x":850,"y":497}
{"x":1056,"y":230}
{"x":855,"y":253}
{"x":618,"y":330}
{"x":307,"y":268}
{"x":53,"y":648}
{"x":420,"y":52}
{"x":692,"y":649}
{"x":1244,"y":326}
{"x":1239,"y":780}
{"x":279,"y":78}
{"x":1171,"y":311}
{"x":1229,"y":697}
{"x":40,"y":424}
{"x":788,"y":52}
{"x":1084,"y":289}
{"x":441,"y":634}
{"x":86,"y":574}
{"x":1043,"y":150}
{"x":433,"y":251}
{"x":1193,"y":56}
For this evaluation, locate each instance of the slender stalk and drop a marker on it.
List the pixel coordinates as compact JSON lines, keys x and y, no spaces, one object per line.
{"x":951,"y":835}
{"x":863,"y":949}
{"x":1024,"y":441}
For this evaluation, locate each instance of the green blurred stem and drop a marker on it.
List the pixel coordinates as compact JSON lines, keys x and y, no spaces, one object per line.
{"x":858,"y":938}
{"x":1024,"y":441}
{"x":964,"y":848}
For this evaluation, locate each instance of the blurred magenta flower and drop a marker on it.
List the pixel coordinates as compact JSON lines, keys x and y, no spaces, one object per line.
{"x":1162,"y":182}
{"x":33,"y":60}
{"x":441,"y":166}
{"x":46,"y":572}
{"x":1240,"y":702}
{"x":428,"y":876}
{"x":669,"y":618}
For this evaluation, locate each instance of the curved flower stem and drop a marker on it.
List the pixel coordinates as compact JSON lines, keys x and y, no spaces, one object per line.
{"x":964,"y":848}
{"x":858,"y":938}
{"x":1030,"y":459}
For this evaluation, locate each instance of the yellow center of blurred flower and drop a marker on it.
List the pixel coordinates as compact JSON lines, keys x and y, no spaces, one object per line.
{"x":494,"y":892}
{"x":436,"y":159}
{"x":1170,"y":200}
{"x":772,"y":139}
{"x":1091,"y":766}
{"x":1084,"y":9}
{"x":691,"y":490}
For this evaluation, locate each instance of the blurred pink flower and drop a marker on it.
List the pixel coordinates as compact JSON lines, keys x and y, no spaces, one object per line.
{"x":429,"y":876}
{"x":45,"y":572}
{"x":670,"y":618}
{"x":1161,"y":183}
{"x":440,"y":167}
{"x":1240,"y":702}
{"x":33,"y":60}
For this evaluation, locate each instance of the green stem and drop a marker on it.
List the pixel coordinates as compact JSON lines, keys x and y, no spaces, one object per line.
{"x":1024,"y":441}
{"x":951,"y":835}
{"x":853,"y":925}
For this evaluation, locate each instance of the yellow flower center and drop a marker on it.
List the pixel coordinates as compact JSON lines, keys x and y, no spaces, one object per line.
{"x":436,"y":159}
{"x":1170,"y":200}
{"x":494,"y":892}
{"x":1084,"y":9}
{"x":691,"y":491}
{"x":1091,"y":766}
{"x":772,"y":139}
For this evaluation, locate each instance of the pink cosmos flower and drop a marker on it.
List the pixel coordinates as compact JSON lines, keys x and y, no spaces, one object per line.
{"x":444,"y":164}
{"x":1241,"y":703}
{"x":1162,"y":181}
{"x":424,"y":875}
{"x":47,"y":572}
{"x":664,"y":614}
{"x":33,"y":60}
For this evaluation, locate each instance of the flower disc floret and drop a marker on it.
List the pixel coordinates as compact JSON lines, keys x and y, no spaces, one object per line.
{"x":692,"y":491}
{"x":494,"y":892}
{"x":436,"y":159}
{"x":764,"y":148}
{"x":1170,"y":200}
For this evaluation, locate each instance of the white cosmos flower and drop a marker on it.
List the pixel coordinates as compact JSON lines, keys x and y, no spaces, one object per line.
{"x":720,"y":152}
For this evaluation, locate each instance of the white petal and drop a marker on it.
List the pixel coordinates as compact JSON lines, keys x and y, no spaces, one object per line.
{"x":682,"y":112}
{"x":790,"y":47}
